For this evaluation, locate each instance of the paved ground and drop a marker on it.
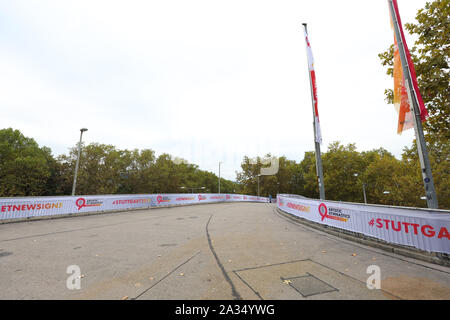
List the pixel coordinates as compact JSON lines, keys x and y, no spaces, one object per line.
{"x":216,"y":251}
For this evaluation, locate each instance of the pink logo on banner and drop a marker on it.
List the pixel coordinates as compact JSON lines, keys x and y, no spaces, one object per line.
{"x":200,"y":197}
{"x":80,"y":203}
{"x":162,"y":199}
{"x":323,"y":211}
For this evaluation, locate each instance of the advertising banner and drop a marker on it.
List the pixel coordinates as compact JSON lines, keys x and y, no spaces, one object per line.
{"x":13,"y":208}
{"x":423,"y":229}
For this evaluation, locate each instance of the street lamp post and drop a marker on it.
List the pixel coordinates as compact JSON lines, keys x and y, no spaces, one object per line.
{"x":258,"y":183}
{"x":219,"y":176}
{"x":364,"y":192}
{"x":364,"y":189}
{"x":78,"y":161}
{"x":386,"y":193}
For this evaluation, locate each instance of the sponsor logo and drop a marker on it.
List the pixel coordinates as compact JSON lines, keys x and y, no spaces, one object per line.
{"x":162,"y":199}
{"x":82,"y":202}
{"x":332,"y":213}
{"x":228,"y":197}
{"x":298,"y":207}
{"x":185,"y":198}
{"x":281,"y":202}
{"x":131,"y":201}
{"x":216,"y":197}
{"x":408,"y":227}
{"x":31,"y":207}
{"x":200,"y":197}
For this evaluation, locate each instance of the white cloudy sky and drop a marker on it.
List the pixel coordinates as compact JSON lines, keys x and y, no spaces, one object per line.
{"x":208,"y":81}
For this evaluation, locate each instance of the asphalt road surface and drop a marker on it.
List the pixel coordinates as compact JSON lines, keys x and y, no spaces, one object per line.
{"x":215,"y":251}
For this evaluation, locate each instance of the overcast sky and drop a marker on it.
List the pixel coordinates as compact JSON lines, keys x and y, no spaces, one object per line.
{"x":207,"y":81}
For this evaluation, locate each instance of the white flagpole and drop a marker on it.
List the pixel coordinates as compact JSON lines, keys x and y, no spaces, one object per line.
{"x":317,"y":138}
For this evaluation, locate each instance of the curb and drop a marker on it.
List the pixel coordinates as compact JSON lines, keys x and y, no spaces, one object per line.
{"x":410,"y":252}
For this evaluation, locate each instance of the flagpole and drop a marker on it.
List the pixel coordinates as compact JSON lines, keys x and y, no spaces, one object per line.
{"x":319,"y":169}
{"x":425,"y":165}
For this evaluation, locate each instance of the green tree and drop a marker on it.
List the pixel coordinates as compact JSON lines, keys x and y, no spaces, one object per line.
{"x":25,"y":168}
{"x":99,"y":169}
{"x":248,"y":177}
{"x":136,"y":171}
{"x":430,"y":55}
{"x":288,"y":178}
{"x":341,"y":165}
{"x":309,"y":176}
{"x":439,"y":159}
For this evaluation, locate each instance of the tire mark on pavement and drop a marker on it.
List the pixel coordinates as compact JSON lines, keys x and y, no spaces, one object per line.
{"x":234,"y":293}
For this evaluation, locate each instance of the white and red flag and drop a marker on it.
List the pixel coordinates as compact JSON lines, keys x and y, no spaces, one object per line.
{"x":312,"y":76}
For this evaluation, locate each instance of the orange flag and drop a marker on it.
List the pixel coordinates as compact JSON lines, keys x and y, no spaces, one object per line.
{"x":401,"y":99}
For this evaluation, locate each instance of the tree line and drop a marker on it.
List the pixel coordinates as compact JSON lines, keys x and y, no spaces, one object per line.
{"x":348,"y":174}
{"x":29,"y":170}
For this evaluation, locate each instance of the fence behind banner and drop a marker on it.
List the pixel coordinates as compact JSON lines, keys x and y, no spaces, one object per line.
{"x":425,"y":229}
{"x":26,"y":207}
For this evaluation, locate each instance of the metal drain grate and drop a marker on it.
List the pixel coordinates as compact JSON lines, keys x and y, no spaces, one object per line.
{"x":309,"y":285}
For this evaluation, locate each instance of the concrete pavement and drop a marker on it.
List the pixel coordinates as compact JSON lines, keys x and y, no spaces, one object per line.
{"x":215,"y":251}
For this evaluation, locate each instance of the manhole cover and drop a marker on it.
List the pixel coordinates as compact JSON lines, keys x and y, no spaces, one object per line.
{"x":309,"y":285}
{"x":300,"y":280}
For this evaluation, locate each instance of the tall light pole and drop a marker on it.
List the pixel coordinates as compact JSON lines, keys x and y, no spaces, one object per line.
{"x":78,"y":161}
{"x":219,"y":176}
{"x":258,"y":183}
{"x":364,"y":192}
{"x":364,"y":189}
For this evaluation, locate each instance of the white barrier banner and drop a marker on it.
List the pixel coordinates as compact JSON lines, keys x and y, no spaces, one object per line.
{"x":422,"y":229}
{"x":13,"y":208}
